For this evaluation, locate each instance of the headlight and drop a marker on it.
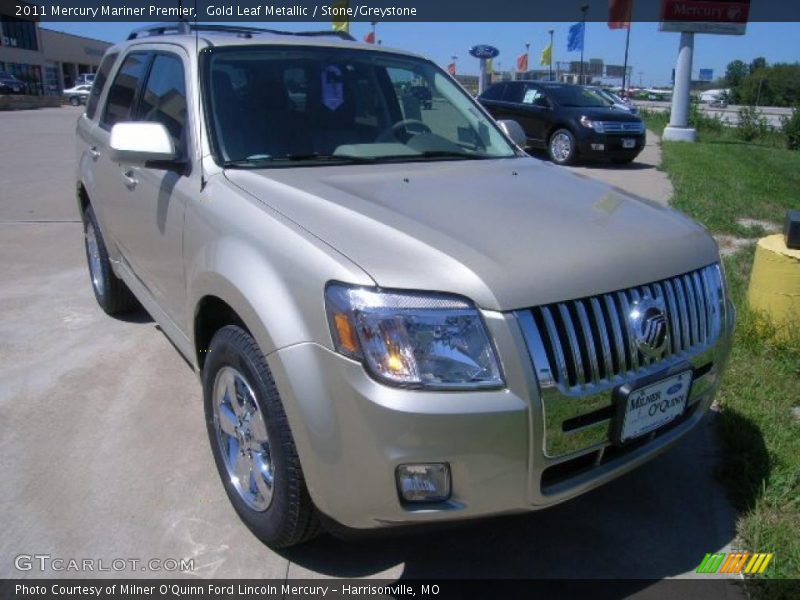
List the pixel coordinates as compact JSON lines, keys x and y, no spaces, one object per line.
{"x":596,"y":125}
{"x":432,"y":341}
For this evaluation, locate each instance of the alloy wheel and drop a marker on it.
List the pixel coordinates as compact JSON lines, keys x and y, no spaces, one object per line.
{"x":242,"y":438}
{"x":561,"y":147}
{"x":95,"y":262}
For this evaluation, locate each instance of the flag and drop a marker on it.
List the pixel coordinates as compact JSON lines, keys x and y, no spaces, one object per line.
{"x":340,"y":23}
{"x":522,"y":62}
{"x":489,"y":66}
{"x":619,"y":14}
{"x":370,"y":37}
{"x":547,"y":55}
{"x":451,"y":68}
{"x":575,"y":37}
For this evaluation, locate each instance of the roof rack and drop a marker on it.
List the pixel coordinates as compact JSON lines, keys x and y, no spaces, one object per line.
{"x":185,"y":27}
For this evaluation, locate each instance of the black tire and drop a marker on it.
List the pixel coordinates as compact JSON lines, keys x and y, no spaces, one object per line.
{"x":75,"y":101}
{"x":290,"y":517}
{"x":554,"y":151}
{"x":111,"y":293}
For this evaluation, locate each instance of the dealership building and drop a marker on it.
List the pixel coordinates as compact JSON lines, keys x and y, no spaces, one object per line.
{"x":47,"y":61}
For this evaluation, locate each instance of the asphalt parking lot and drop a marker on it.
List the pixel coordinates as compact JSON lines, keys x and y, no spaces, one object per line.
{"x":104,"y":449}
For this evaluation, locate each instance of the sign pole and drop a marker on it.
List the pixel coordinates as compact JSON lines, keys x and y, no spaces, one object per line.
{"x":550,"y":76}
{"x":482,"y":77}
{"x":625,"y":65}
{"x":584,"y":8}
{"x":678,"y":128}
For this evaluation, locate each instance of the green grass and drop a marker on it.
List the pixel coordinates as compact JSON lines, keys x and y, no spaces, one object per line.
{"x":717,"y":181}
{"x":761,"y":441}
{"x":721,"y":179}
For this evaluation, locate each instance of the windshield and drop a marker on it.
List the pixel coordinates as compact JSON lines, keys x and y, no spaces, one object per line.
{"x":574,"y":95}
{"x":273,"y":106}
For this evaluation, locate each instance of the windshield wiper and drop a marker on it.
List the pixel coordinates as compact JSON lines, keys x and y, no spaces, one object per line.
{"x":431,"y":154}
{"x":260,"y":161}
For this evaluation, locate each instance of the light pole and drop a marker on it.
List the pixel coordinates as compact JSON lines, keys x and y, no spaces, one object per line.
{"x":584,"y":8}
{"x":527,"y":58}
{"x":758,"y":96}
{"x":550,"y":76}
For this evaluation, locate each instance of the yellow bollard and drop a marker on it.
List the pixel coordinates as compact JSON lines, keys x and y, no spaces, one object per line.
{"x":775,"y":282}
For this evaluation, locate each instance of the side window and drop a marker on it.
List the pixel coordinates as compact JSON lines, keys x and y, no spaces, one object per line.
{"x":164,"y":97}
{"x":495,"y":92}
{"x":533,"y":96}
{"x":100,"y":83}
{"x":123,"y":91}
{"x":514,"y":92}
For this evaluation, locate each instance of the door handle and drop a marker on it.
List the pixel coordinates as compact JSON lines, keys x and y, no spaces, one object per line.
{"x":129,"y":179}
{"x":94,"y":153}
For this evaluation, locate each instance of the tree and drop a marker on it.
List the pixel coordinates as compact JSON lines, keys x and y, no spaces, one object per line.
{"x":776,"y":85}
{"x":757,"y":63}
{"x":735,"y":73}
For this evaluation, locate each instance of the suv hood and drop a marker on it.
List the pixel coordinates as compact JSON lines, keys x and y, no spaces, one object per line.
{"x":507,"y":233}
{"x":602,"y":114}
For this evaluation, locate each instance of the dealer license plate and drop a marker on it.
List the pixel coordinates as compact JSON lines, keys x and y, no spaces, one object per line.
{"x":628,"y":143}
{"x":652,"y":406}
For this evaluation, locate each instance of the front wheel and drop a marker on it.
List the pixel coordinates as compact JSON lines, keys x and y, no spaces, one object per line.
{"x":561,"y":147}
{"x":75,"y":101}
{"x":251,"y":442}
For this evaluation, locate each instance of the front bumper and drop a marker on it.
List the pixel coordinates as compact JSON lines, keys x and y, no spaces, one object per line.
{"x":612,"y":145}
{"x":352,"y":432}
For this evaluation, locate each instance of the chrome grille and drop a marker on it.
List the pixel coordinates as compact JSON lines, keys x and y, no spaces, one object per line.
{"x":586,"y":344}
{"x":623,"y":127}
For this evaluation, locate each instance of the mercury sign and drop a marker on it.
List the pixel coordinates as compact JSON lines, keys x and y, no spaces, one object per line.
{"x":705,"y":16}
{"x":483,"y":51}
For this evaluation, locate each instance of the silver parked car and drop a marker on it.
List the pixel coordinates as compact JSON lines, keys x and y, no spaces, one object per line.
{"x":397,"y":316}
{"x":77,"y":95}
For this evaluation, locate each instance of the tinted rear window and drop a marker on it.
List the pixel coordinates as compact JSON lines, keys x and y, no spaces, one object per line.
{"x":495,"y":92}
{"x":100,"y":83}
{"x":164,"y":97}
{"x":122,"y":94}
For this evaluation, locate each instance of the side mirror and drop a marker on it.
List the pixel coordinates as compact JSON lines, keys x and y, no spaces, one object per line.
{"x":138,"y":143}
{"x":514,"y":130}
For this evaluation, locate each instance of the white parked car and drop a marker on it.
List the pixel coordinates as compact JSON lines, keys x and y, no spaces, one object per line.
{"x":78,"y":95}
{"x":85,"y":78}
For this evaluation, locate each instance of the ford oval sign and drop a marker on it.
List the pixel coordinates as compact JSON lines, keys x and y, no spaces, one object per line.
{"x":674,"y":389}
{"x":484,"y":51}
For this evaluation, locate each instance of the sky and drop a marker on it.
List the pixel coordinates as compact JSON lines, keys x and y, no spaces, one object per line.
{"x":652,"y":52}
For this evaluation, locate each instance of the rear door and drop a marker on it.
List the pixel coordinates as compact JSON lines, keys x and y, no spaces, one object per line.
{"x":156,"y":196}
{"x":537,"y":111}
{"x":492,"y":100}
{"x":88,"y":151}
{"x":111,"y":197}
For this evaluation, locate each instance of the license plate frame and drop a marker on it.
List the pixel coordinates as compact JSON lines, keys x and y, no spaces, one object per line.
{"x":628,"y":143}
{"x":626,"y":431}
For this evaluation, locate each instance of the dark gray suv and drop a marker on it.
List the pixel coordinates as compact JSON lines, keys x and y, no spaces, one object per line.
{"x":569,"y":121}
